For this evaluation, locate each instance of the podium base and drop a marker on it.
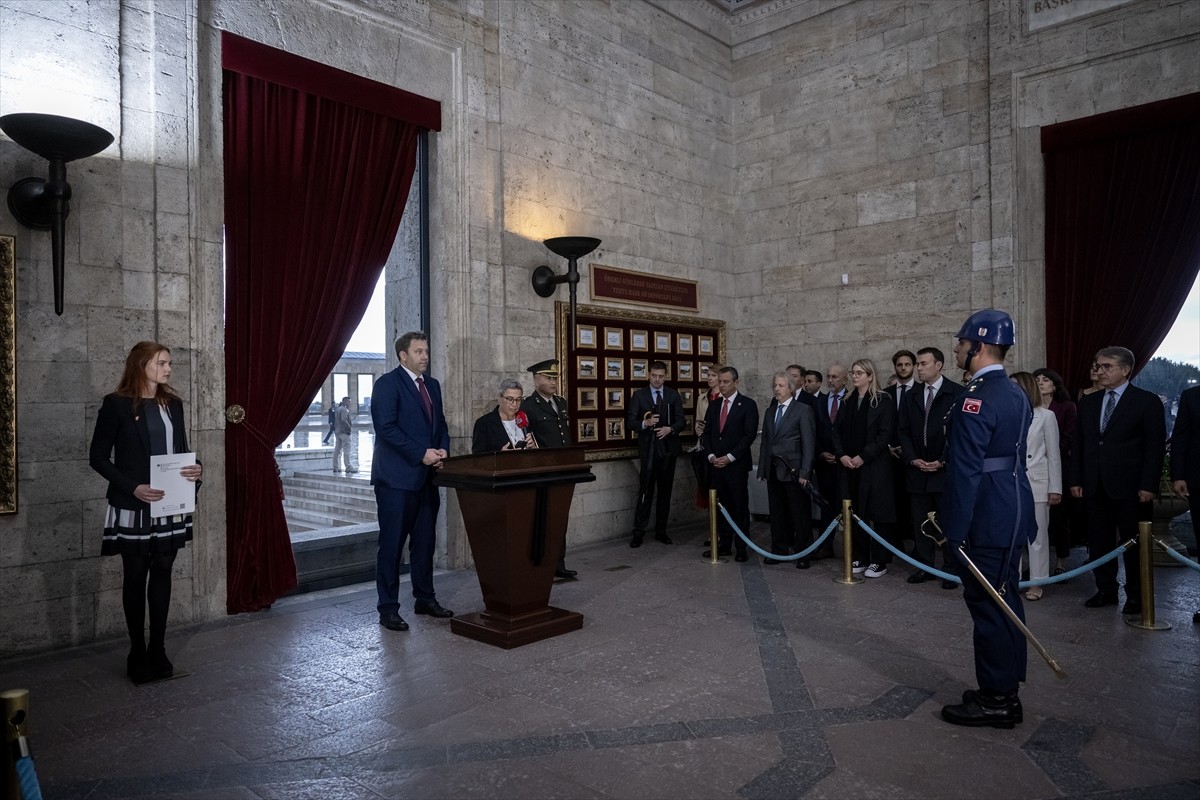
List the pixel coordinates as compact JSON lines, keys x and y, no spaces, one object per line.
{"x":509,"y":631}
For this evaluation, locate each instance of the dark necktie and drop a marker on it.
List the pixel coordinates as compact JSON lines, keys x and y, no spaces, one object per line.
{"x":1110,"y":403}
{"x":724,"y":414}
{"x":657,"y":398}
{"x":426,"y":403}
{"x":833,"y":409}
{"x":778,"y":416}
{"x":929,"y":395}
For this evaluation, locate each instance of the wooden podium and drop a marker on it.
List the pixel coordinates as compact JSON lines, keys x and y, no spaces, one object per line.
{"x":515,"y":505}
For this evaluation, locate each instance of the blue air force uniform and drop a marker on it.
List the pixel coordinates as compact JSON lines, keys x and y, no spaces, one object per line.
{"x":988,"y":506}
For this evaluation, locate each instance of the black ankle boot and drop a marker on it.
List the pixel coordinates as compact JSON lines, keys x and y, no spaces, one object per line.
{"x":135,"y":662}
{"x":159,"y":667}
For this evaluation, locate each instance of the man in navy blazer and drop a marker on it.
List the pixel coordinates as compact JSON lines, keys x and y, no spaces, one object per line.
{"x":730,"y":427}
{"x":411,"y":440}
{"x":1116,"y":466}
{"x":656,"y":414}
{"x":922,"y":426}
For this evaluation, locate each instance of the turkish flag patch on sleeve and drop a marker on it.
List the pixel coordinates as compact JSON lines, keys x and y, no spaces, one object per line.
{"x":971,"y":405}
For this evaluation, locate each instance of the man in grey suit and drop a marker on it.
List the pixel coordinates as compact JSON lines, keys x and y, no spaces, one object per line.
{"x":785,"y":457}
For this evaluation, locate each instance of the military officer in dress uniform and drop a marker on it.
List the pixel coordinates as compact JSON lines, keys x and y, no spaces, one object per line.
{"x":547,"y":413}
{"x":988,"y":509}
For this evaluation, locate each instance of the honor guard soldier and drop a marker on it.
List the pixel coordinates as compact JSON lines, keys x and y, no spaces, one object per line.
{"x":548,"y":422}
{"x":987,"y":509}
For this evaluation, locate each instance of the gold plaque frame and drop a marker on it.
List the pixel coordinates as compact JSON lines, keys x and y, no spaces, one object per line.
{"x":600,"y":446}
{"x":8,"y":375}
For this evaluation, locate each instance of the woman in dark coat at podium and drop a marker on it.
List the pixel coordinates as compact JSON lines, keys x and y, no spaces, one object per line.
{"x":498,"y":429}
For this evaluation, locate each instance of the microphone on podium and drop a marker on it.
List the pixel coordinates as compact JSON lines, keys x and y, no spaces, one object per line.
{"x":522,"y":421}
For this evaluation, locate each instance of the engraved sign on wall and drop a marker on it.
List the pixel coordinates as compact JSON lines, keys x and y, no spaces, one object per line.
{"x":1046,"y":13}
{"x":641,"y":288}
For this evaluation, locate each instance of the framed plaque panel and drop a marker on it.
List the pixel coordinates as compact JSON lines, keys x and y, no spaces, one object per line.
{"x":599,"y":388}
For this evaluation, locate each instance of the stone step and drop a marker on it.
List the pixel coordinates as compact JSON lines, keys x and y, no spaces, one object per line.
{"x":327,"y":518}
{"x":326,"y":559}
{"x":359,"y":486}
{"x":330,"y":497}
{"x":365,"y":513}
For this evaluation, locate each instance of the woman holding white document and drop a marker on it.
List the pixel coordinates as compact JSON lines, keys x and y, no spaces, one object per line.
{"x":143,"y":418}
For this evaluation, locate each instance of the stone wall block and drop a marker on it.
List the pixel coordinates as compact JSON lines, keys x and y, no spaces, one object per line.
{"x":896,"y":297}
{"x":172,"y":192}
{"x":944,"y":193}
{"x":887,"y":203}
{"x":173,"y":248}
{"x":51,"y":431}
{"x":100,"y":234}
{"x":42,"y":624}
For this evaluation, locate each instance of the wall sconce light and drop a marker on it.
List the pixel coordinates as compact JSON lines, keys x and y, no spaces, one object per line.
{"x":44,"y":204}
{"x":571,"y":248}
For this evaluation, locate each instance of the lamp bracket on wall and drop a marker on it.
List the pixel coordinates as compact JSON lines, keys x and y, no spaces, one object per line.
{"x":571,"y":248}
{"x":44,"y":203}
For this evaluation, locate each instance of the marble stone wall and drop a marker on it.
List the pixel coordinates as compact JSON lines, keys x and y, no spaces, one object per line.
{"x":764,"y":154}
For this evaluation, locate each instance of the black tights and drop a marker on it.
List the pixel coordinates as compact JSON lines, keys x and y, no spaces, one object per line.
{"x":147,"y":581}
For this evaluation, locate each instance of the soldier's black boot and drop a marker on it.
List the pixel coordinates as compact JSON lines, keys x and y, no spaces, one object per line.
{"x":985,"y":709}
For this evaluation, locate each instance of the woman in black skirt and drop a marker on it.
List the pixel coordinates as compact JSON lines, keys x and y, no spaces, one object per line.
{"x":142,"y":418}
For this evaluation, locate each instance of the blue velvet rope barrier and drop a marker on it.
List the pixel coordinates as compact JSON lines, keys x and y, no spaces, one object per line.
{"x":1081,"y":569}
{"x":27,"y":779}
{"x":1173,"y":554}
{"x":794,"y":556}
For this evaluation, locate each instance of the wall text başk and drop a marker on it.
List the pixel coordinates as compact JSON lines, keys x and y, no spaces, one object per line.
{"x":1045,"y":13}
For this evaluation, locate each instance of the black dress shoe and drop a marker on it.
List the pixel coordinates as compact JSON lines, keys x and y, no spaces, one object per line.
{"x":1132,"y":607}
{"x":1018,"y":713}
{"x":392,"y":621}
{"x":803,"y":563}
{"x":772,"y":561}
{"x":433,"y":608}
{"x":158,"y":666}
{"x":636,"y":541}
{"x":948,"y":584}
{"x":741,"y":557}
{"x":663,"y":538}
{"x":721,"y":552}
{"x":979,"y":710}
{"x":920,"y":577}
{"x":1101,"y":599}
{"x":565,"y":574}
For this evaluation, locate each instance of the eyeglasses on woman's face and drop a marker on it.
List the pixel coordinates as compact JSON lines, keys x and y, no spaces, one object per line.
{"x":510,"y":399}
{"x":859,"y":372}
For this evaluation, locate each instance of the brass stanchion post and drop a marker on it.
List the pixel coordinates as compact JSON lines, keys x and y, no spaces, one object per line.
{"x":847,"y":576}
{"x":712,"y":528}
{"x":1146,"y":620}
{"x":16,"y":707}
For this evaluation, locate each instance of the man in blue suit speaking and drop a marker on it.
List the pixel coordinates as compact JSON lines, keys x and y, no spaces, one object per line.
{"x":411,"y":440}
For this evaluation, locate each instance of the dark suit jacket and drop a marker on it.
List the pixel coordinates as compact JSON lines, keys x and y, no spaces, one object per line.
{"x":1126,"y":458}
{"x":120,"y":449}
{"x":824,"y":426}
{"x":876,"y":495}
{"x":1185,"y":441}
{"x":402,"y":432}
{"x":489,"y":434}
{"x":548,"y":429}
{"x":643,"y":403}
{"x":794,"y":440}
{"x":892,"y":391}
{"x":741,"y":428}
{"x":911,"y":425}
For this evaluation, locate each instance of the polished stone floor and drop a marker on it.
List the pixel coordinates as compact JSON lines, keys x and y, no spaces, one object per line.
{"x":687,"y":681}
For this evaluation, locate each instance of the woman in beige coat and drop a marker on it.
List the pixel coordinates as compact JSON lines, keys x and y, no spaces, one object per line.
{"x":1043,"y":465}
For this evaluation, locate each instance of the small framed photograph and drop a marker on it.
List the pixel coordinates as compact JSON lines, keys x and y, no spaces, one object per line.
{"x":587,"y":367}
{"x":662,"y":342}
{"x":586,"y":429}
{"x":683,"y":371}
{"x":585,"y":335}
{"x":683,"y":342}
{"x":705,"y":369}
{"x":639,"y":341}
{"x":588,"y":399}
{"x":638,"y":369}
{"x":614,"y":430}
{"x":614,"y":338}
{"x":705,"y":345}
{"x":688,"y":397}
{"x":689,"y":424}
{"x":614,"y":369}
{"x":614,"y":400}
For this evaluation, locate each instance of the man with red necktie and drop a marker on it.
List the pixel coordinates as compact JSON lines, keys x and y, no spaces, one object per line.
{"x":730,"y":427}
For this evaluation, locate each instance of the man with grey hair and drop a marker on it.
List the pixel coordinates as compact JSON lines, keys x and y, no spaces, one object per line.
{"x":785,"y":459}
{"x":1116,"y":465}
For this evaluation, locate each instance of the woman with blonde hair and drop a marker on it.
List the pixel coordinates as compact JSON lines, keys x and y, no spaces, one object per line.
{"x":142,"y":418}
{"x":1043,"y":465}
{"x":861,"y":436}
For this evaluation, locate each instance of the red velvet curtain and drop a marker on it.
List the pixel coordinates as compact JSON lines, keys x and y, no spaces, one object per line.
{"x":1122,"y":230}
{"x":314,"y":191}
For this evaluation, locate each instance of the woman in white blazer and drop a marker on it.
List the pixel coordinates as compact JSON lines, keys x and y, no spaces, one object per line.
{"x":1043,"y":465}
